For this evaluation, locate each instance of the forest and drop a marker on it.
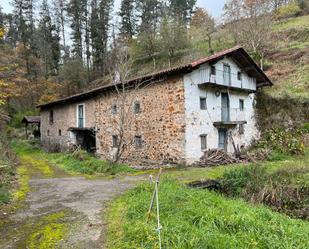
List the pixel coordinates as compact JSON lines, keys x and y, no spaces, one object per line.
{"x":51,"y":49}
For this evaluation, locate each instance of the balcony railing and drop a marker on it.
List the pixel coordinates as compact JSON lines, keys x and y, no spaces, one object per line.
{"x":229,"y":116}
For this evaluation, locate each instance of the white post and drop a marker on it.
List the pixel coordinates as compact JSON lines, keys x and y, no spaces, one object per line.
{"x":158,"y":214}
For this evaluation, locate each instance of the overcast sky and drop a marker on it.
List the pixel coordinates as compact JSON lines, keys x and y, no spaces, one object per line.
{"x":214,"y":7}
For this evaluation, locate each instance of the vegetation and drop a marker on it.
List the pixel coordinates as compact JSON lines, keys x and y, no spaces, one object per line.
{"x":282,"y":141}
{"x":199,"y":219}
{"x":79,"y":162}
{"x":284,"y":189}
{"x":7,"y":170}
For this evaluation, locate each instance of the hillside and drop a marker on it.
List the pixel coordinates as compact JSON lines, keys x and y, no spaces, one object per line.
{"x":287,"y":57}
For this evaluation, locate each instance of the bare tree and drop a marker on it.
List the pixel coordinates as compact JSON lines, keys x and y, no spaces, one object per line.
{"x":250,"y":22}
{"x":122,"y":111}
{"x":203,"y":25}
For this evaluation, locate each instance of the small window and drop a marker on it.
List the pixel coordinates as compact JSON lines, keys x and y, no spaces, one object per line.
{"x":138,"y":142}
{"x":115,"y":141}
{"x":51,"y":117}
{"x":239,"y":76}
{"x":59,"y":132}
{"x":48,"y":133}
{"x":137,"y":107}
{"x":114,"y":109}
{"x":80,"y":116}
{"x":203,"y":142}
{"x":213,"y":70}
{"x":203,"y":104}
{"x":241,"y":104}
{"x":241,"y":129}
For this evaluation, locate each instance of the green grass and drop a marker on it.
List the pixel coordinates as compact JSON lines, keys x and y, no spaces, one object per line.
{"x":300,"y":22}
{"x":202,"y":219}
{"x":199,"y":219}
{"x":80,"y":162}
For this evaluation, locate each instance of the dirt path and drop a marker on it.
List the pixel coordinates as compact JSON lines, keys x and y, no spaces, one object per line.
{"x":62,"y":212}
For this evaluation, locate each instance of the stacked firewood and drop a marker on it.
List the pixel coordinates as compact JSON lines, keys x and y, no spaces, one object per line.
{"x":216,"y":157}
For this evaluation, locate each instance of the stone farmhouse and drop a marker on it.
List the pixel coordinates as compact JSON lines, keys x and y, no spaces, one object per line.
{"x":174,"y":114}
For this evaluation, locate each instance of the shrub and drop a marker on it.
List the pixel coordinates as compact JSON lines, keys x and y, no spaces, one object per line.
{"x":283,"y":141}
{"x":289,"y":10}
{"x":284,"y":190}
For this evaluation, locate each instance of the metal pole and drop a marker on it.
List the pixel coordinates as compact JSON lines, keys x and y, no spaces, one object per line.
{"x":158,"y":214}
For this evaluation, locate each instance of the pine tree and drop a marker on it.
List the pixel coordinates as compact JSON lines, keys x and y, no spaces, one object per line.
{"x":99,"y":33}
{"x":150,"y":12}
{"x":49,"y":41}
{"x":183,"y":9}
{"x":60,"y":17}
{"x":76,"y":10}
{"x":128,"y":18}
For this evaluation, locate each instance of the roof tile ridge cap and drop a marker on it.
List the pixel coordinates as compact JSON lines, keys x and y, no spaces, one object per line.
{"x":222,"y":52}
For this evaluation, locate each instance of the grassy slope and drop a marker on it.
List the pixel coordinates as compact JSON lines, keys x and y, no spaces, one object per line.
{"x":203,"y":219}
{"x":81,"y":162}
{"x":289,"y":59}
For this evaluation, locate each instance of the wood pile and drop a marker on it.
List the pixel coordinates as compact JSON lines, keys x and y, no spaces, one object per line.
{"x":215,"y":157}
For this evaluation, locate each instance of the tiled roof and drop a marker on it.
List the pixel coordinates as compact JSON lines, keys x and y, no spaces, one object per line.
{"x":31,"y":119}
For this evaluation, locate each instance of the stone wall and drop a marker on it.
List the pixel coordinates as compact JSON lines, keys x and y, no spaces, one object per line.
{"x":65,"y":116}
{"x":160,"y":123}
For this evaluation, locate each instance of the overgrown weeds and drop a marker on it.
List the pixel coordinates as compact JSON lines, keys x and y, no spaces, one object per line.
{"x":284,"y":141}
{"x":285,"y":190}
{"x":7,"y":169}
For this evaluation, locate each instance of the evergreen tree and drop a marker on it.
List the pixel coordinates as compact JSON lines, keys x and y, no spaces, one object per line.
{"x":60,"y":18}
{"x":49,"y":41}
{"x":183,"y":9}
{"x":99,"y":29}
{"x":150,"y":12}
{"x":128,"y":19}
{"x":76,"y":10}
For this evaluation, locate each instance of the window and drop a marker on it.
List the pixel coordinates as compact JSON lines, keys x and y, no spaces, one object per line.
{"x":239,"y":76}
{"x":80,"y":116}
{"x":51,"y":117}
{"x":59,"y":132}
{"x":227,"y":74}
{"x":114,"y":109}
{"x":203,"y":104}
{"x":138,"y":142}
{"x":241,"y":104}
{"x":203,"y":141}
{"x":137,"y":107}
{"x":241,"y":129}
{"x":115,"y":141}
{"x":213,"y":70}
{"x":48,"y":133}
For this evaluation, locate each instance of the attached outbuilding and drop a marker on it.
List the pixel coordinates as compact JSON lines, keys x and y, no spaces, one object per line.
{"x":32,"y":122}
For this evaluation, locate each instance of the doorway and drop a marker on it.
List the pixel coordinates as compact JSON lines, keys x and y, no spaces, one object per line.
{"x":222,"y":139}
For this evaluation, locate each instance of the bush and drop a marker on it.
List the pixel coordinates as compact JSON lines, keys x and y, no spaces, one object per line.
{"x":283,"y":141}
{"x":284,"y":190}
{"x":19,"y":115}
{"x":289,"y":10}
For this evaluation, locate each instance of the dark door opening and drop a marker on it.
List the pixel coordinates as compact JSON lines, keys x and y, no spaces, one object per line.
{"x":222,"y":139}
{"x":85,"y":139}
